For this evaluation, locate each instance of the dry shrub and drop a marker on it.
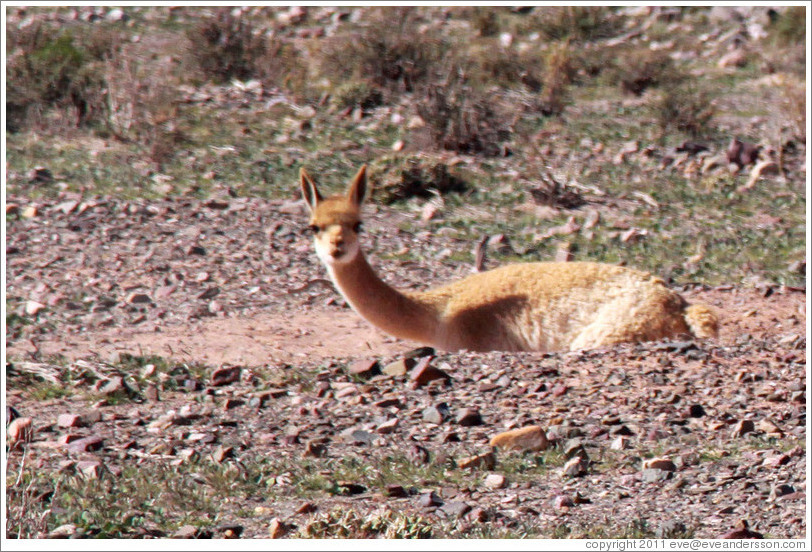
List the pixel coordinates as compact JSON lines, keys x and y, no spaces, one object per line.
{"x":462,"y":118}
{"x":392,"y":51}
{"x":576,"y":23}
{"x":793,"y":106}
{"x":635,"y":70}
{"x":559,"y":72}
{"x":227,"y":46}
{"x":143,"y":103}
{"x":400,"y":177}
{"x":57,"y":74}
{"x":685,"y":108}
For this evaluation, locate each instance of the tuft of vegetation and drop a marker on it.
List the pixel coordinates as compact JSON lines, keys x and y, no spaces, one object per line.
{"x":349,"y":524}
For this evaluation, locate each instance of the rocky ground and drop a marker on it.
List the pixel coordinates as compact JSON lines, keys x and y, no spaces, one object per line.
{"x":197,"y":343}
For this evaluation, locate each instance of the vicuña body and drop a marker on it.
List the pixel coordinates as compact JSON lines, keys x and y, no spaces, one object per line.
{"x":518,"y":307}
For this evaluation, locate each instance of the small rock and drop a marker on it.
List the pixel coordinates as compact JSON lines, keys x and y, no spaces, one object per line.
{"x":621,"y":443}
{"x":486,"y":460}
{"x":436,"y":414}
{"x":350,"y":488}
{"x":63,"y":532}
{"x":86,"y":444}
{"x":778,"y":491}
{"x":456,"y":509}
{"x":230,"y":531}
{"x":32,"y":308}
{"x":396,"y":491}
{"x":90,"y":469}
{"x":696,"y":411}
{"x":563,"y":502}
{"x":138,"y":299}
{"x":670,"y":529}
{"x":387,"y":427}
{"x":530,"y":438}
{"x":469,"y":417}
{"x":222,"y":453}
{"x":399,"y":367}
{"x":357,"y":437}
{"x":659,"y":464}
{"x":226,"y":375}
{"x":575,"y":467}
{"x":314,"y":449}
{"x":365,"y":369}
{"x":742,"y":428}
{"x":19,"y":431}
{"x":653,"y":475}
{"x":185,"y":532}
{"x":424,"y":372}
{"x":69,"y":420}
{"x":429,"y":500}
{"x":742,"y":532}
{"x":278,"y":529}
{"x":495,"y":481}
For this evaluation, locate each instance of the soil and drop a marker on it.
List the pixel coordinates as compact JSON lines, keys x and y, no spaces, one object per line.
{"x":236,"y":283}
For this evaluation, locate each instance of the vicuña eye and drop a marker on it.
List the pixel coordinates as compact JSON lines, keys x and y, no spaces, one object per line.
{"x":357,"y":227}
{"x":314,"y":229}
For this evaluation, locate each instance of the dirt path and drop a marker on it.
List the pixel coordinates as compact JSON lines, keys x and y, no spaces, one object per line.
{"x":335,"y":332}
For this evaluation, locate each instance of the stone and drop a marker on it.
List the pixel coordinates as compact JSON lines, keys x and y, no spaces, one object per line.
{"x":659,"y":464}
{"x":563,"y":502}
{"x":424,"y":372}
{"x":69,"y":420}
{"x":387,"y":427}
{"x":575,"y":467}
{"x":743,"y":428}
{"x":456,"y":508}
{"x":469,"y":417}
{"x":278,"y":529}
{"x":32,"y":308}
{"x":399,"y":367}
{"x":91,"y":469}
{"x":225,"y":375}
{"x":365,"y":369}
{"x":495,"y":481}
{"x":654,"y":475}
{"x":742,"y":532}
{"x":86,"y":444}
{"x":621,"y":443}
{"x":436,"y":414}
{"x":486,"y":460}
{"x":19,"y":431}
{"x":429,"y":500}
{"x":531,"y":438}
{"x":670,"y":529}
{"x":222,"y":453}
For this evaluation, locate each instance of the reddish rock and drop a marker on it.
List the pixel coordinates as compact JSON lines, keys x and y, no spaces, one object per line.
{"x":530,"y":438}
{"x":424,"y":372}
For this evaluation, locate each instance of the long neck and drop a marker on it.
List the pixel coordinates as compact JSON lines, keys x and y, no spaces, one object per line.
{"x":390,"y":310}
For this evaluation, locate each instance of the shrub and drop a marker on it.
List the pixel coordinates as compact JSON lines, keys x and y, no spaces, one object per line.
{"x":577,"y":23}
{"x":402,"y":177}
{"x":57,"y":71}
{"x":462,"y":118}
{"x":391,"y":51}
{"x":636,"y":71}
{"x":353,"y":95}
{"x":227,"y":46}
{"x":684,"y":108}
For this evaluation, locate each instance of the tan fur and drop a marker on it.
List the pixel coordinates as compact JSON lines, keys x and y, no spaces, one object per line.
{"x":519,"y":307}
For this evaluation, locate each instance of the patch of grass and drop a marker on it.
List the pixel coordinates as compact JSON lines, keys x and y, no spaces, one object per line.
{"x":112,"y":506}
{"x":350,"y":524}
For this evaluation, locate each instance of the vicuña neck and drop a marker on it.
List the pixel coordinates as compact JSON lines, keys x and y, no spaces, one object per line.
{"x":382,"y":305}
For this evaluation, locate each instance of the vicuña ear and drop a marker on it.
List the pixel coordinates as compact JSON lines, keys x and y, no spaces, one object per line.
{"x":310,"y":192}
{"x":358,"y":187}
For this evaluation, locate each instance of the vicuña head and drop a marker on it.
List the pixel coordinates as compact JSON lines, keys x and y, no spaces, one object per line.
{"x":518,"y":307}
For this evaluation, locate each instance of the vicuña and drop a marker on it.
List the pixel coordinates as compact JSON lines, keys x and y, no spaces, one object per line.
{"x":519,"y":307}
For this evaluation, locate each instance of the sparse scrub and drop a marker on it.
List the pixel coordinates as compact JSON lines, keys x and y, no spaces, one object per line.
{"x":227,"y":46}
{"x":57,"y":73}
{"x":397,"y":178}
{"x":462,"y":118}
{"x":578,"y":23}
{"x":638,"y":70}
{"x":685,"y":108}
{"x":391,"y":51}
{"x":350,"y":524}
